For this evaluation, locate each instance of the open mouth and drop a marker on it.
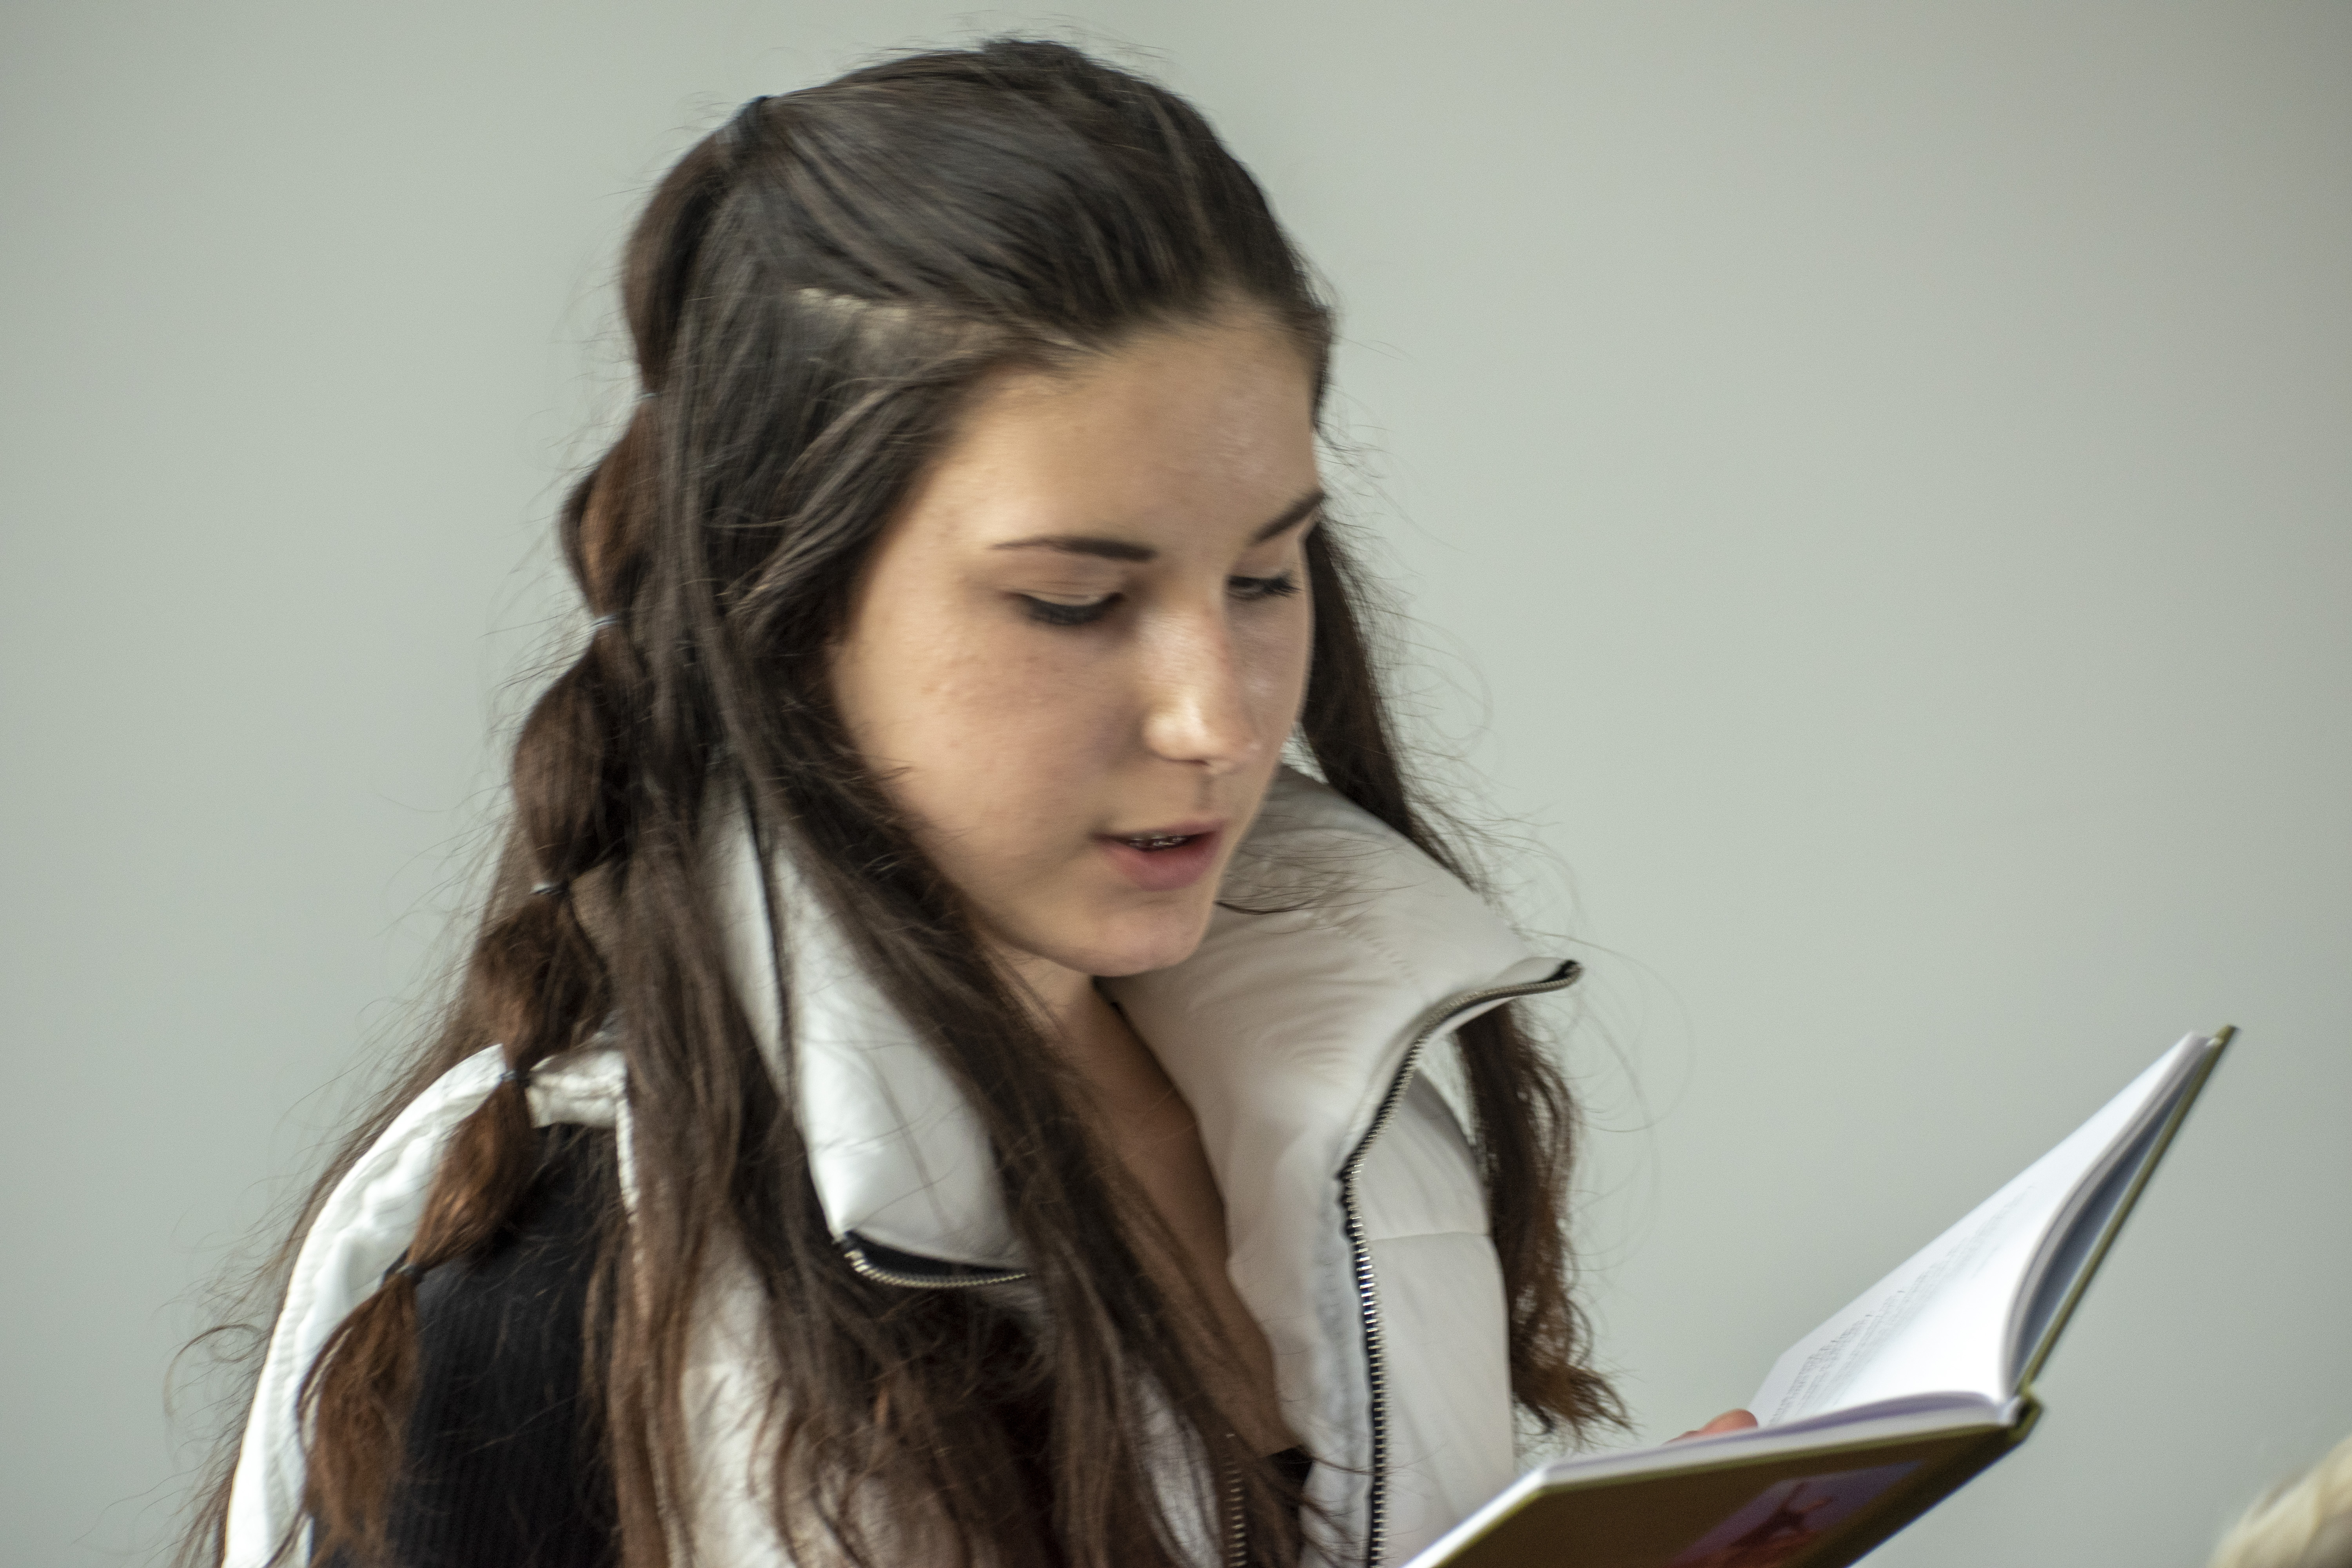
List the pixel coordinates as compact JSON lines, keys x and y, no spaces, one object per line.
{"x":1163,"y":861}
{"x":1150,"y":842}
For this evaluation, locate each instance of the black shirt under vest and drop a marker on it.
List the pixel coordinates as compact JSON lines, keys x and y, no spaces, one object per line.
{"x":504,"y":1466}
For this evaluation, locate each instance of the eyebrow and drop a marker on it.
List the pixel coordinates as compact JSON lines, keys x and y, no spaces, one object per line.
{"x":1110,"y":549}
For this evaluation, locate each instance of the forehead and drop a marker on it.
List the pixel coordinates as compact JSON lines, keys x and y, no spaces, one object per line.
{"x":1178,"y":433}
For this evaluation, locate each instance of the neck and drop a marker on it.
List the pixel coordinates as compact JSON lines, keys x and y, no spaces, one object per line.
{"x":1064,"y":1000}
{"x":1077,"y":1019}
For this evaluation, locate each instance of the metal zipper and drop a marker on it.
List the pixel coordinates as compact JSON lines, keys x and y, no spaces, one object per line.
{"x":957,"y":1278}
{"x":1236,"y":1519}
{"x":1368,"y":1302}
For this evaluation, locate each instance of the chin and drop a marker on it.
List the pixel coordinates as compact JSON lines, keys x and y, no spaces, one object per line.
{"x":1138,"y":942}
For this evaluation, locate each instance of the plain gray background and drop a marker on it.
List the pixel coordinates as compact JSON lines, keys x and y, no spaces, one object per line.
{"x":1873,"y":484}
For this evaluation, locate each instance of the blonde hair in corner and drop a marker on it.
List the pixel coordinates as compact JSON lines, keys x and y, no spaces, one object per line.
{"x":2303,"y":1523}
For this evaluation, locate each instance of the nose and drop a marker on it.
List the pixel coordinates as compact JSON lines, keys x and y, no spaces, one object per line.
{"x":1197,"y":707}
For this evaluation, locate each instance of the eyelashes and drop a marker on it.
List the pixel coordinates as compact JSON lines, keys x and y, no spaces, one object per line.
{"x":1249,"y":590}
{"x":1281,"y":586}
{"x":1045,"y":612}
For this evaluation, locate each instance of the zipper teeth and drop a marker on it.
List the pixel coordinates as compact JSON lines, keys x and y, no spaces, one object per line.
{"x":1236,"y":1520}
{"x":870,"y":1270}
{"x":1368,"y":1300}
{"x":1367,"y":1309}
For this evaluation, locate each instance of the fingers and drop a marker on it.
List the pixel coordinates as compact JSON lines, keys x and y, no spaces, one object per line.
{"x":1729,"y":1421}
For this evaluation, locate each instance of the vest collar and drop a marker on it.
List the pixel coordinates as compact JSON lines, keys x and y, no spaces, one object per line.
{"x":1335,"y":948}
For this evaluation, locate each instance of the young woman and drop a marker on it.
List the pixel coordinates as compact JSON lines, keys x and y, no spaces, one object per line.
{"x":932,"y":1085}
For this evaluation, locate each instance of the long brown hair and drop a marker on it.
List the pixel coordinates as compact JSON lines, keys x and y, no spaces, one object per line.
{"x":812,"y":292}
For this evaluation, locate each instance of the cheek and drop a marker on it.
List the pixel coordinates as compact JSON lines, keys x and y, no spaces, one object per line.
{"x":984,"y":731}
{"x":1274,"y":657}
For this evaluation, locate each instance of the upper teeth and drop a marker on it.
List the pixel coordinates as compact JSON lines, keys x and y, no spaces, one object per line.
{"x":1159,"y":840}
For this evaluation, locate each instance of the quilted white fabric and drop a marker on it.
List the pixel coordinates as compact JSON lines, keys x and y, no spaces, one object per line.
{"x":1345,"y":958}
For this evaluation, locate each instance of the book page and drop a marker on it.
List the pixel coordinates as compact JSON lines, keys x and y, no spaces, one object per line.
{"x":2070,"y":1253}
{"x":1941,"y":1320}
{"x":2073,"y":1250}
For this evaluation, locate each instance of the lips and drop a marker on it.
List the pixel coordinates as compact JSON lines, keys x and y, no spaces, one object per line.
{"x":1162,"y":860}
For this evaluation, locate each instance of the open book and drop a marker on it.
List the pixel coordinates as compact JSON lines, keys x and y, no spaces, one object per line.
{"x":1867,"y":1422}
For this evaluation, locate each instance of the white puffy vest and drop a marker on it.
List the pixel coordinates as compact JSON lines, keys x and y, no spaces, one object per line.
{"x":1314,"y":1042}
